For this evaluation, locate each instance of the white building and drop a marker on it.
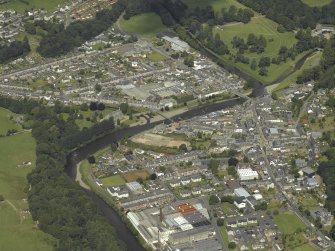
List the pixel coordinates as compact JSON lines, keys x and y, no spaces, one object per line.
{"x":247,"y":174}
{"x":177,"y":44}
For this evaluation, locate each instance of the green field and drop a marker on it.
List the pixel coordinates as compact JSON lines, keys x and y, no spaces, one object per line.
{"x":216,"y":4}
{"x":309,"y":63}
{"x":147,"y":25}
{"x":21,"y":6}
{"x":18,"y":231}
{"x":115,"y":180}
{"x":305,"y":247}
{"x":288,"y":222}
{"x":156,"y":57}
{"x":316,"y":3}
{"x":260,"y":25}
{"x":6,"y":123}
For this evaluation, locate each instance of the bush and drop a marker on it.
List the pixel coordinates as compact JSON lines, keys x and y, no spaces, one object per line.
{"x":232,"y":245}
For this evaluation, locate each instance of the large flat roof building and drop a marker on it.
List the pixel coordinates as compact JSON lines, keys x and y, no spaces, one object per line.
{"x":247,"y":174}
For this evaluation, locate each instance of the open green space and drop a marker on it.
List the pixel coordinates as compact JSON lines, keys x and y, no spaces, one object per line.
{"x":22,"y":6}
{"x":309,"y":63}
{"x":316,"y":3}
{"x":18,"y":231}
{"x":216,"y":4}
{"x":288,"y":222}
{"x":114,"y":180}
{"x":6,"y":123}
{"x":156,"y":57}
{"x":260,"y":25}
{"x":147,"y":25}
{"x":224,"y":234}
{"x":305,"y":247}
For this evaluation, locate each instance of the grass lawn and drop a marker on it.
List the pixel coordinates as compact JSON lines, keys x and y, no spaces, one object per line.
{"x":260,"y":25}
{"x":21,"y":6}
{"x":6,"y":123}
{"x":224,"y":234}
{"x":316,"y":3}
{"x":156,"y":57}
{"x":147,"y":25}
{"x":115,"y":180}
{"x":309,"y":63}
{"x":18,"y":231}
{"x":216,"y":4}
{"x":288,"y":222}
{"x":305,"y":247}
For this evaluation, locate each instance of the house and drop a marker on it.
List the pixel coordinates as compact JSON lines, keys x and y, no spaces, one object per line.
{"x":309,"y":172}
{"x":196,"y":178}
{"x":185,"y":193}
{"x":231,"y":223}
{"x":239,"y":202}
{"x":185,"y":181}
{"x":119,"y":192}
{"x":312,"y":183}
{"x":196,"y":191}
{"x":175,"y":183}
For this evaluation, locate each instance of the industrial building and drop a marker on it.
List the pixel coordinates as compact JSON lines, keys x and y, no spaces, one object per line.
{"x":247,"y":174}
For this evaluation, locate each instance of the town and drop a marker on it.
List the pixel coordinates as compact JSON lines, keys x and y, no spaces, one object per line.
{"x":223,"y":157}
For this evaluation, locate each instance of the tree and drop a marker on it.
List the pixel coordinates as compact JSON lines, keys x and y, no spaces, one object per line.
{"x":83,"y":107}
{"x":183,"y":147}
{"x":124,"y":108}
{"x":93,"y":106}
{"x":232,"y":161}
{"x":253,"y":65}
{"x":229,"y":199}
{"x":261,"y":206}
{"x":231,"y":245}
{"x":189,"y":61}
{"x":101,"y":106}
{"x":213,"y":199}
{"x":153,"y":176}
{"x":97,"y":88}
{"x":220,"y":222}
{"x":91,"y":159}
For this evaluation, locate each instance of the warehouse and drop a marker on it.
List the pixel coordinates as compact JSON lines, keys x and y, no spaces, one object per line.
{"x":247,"y":174}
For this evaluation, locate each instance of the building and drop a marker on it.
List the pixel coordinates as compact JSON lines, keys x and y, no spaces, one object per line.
{"x":134,"y":187}
{"x":241,"y":192}
{"x":239,"y":202}
{"x":176,"y":43}
{"x":247,"y":174}
{"x":119,"y":192}
{"x":192,"y":235}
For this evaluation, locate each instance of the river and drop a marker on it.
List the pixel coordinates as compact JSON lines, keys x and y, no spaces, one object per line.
{"x":123,"y":233}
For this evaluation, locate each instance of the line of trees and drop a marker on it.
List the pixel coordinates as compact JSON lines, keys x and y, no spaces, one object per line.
{"x":293,"y":14}
{"x":14,"y":50}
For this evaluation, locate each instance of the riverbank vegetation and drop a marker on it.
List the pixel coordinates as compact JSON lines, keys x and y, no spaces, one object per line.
{"x":60,"y":206}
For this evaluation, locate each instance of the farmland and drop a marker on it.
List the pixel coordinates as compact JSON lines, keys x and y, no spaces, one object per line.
{"x":17,"y":155}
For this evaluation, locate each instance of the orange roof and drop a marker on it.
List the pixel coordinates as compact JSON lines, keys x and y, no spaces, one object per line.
{"x":185,"y":208}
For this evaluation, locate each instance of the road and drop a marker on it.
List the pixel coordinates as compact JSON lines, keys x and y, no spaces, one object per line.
{"x":281,"y":195}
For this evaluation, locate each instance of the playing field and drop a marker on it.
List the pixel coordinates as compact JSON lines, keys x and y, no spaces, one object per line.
{"x":5,"y":122}
{"x":147,"y":25}
{"x":18,"y":231}
{"x":133,"y":176}
{"x":158,"y":140}
{"x":26,"y":5}
{"x":114,"y":180}
{"x":316,"y":3}
{"x":288,"y":222}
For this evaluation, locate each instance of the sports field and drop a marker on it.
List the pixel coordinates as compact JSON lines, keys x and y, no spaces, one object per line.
{"x":316,"y":3}
{"x":18,"y":231}
{"x":26,"y":5}
{"x":5,"y":122}
{"x":147,"y":25}
{"x":288,"y":222}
